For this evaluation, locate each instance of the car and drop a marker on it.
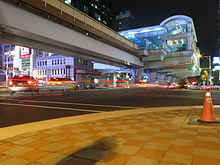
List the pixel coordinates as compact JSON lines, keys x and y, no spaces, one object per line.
{"x":23,"y":83}
{"x":64,"y":84}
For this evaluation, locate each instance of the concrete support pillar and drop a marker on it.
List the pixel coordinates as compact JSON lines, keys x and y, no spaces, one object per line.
{"x":169,"y":78}
{"x":162,"y":77}
{"x":154,"y":77}
{"x":136,"y":74}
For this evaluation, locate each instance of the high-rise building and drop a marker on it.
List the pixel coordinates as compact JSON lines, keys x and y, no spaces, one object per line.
{"x":124,"y":21}
{"x":98,"y":9}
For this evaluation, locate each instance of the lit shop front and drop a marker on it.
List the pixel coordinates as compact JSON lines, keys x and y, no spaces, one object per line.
{"x":85,"y":77}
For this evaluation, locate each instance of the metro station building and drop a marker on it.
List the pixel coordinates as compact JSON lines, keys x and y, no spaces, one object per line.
{"x":168,"y":50}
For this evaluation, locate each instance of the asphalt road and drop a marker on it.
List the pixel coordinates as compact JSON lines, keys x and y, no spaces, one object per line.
{"x":26,"y":108}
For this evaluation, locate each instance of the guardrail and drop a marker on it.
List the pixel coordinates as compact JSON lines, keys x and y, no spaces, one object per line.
{"x":75,"y":17}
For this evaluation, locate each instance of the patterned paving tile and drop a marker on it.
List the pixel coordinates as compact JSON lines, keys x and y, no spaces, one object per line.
{"x":4,"y":157}
{"x":150,"y":154}
{"x":90,"y":154}
{"x":165,"y":135}
{"x":126,"y":149}
{"x":161,"y":139}
{"x":178,"y":158}
{"x":198,"y":160}
{"x":156,"y":146}
{"x":38,"y":143}
{"x":11,"y":139}
{"x":16,"y":161}
{"x":35,"y":155}
{"x":54,"y":138}
{"x":141,"y":161}
{"x":211,"y":153}
{"x":181,"y":149}
{"x":76,"y":161}
{"x":16,"y":151}
{"x":52,"y":159}
{"x":141,"y":137}
{"x":24,"y":141}
{"x":34,"y":163}
{"x":6,"y":146}
{"x":84,"y":143}
{"x":53,"y":147}
{"x":169,"y":163}
{"x":40,"y":135}
{"x":207,"y":139}
{"x":208,"y":145}
{"x":68,"y":140}
{"x":69,"y":150}
{"x":137,"y":143}
{"x":115,"y":158}
{"x":182,"y":142}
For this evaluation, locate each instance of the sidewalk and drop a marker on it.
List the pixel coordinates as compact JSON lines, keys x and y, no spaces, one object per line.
{"x":137,"y":137}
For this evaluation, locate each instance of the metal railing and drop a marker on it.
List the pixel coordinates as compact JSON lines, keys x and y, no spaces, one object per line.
{"x":81,"y":20}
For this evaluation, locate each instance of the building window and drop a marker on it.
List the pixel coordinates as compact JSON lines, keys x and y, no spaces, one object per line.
{"x":64,"y":61}
{"x":64,"y":71}
{"x":68,"y":2}
{"x":38,"y":53}
{"x":86,"y":9}
{"x":104,"y":22}
{"x":97,"y":16}
{"x":46,"y":63}
{"x":58,"y":61}
{"x":47,"y":54}
{"x":52,"y":62}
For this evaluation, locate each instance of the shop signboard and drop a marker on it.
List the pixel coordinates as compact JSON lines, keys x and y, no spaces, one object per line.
{"x":25,"y":52}
{"x":216,"y":60}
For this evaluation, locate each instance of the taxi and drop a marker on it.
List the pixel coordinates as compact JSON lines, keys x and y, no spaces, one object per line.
{"x":65,"y":84}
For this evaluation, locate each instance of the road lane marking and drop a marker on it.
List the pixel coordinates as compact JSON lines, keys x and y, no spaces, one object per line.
{"x":53,"y":102}
{"x":50,"y":107}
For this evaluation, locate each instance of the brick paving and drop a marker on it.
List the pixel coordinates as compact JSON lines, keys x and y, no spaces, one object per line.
{"x":163,"y":138}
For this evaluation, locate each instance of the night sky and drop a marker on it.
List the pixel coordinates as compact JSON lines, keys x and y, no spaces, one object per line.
{"x":153,"y":12}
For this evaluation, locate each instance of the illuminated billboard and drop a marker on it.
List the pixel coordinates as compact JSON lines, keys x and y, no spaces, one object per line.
{"x":216,"y":60}
{"x":25,"y":52}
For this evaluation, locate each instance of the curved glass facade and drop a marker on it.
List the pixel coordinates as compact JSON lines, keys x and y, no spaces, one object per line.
{"x":173,"y":34}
